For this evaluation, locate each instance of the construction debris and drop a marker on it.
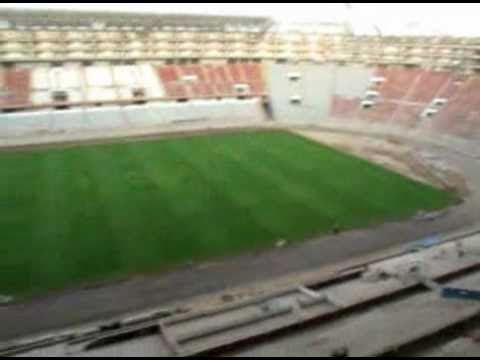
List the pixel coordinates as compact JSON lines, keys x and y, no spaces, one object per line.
{"x":316,"y":305}
{"x":426,"y":280}
{"x":311,"y":293}
{"x":429,"y":216}
{"x":460,"y":249}
{"x":465,"y":294}
{"x":373,"y":275}
{"x":277,"y":306}
{"x":424,"y":243}
{"x":227,"y":298}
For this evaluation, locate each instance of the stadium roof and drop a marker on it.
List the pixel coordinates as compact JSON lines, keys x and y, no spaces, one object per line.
{"x":61,"y":18}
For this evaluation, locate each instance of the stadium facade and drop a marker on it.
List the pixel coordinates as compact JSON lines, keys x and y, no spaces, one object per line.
{"x":63,"y":71}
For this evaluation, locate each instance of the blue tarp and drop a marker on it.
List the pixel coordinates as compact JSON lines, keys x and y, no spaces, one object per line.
{"x":424,"y":243}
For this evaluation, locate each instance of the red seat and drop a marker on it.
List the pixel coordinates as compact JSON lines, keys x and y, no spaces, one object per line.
{"x":211,"y":80}
{"x":176,"y":90}
{"x":168,"y":74}
{"x":236,"y":74}
{"x":17,"y":84}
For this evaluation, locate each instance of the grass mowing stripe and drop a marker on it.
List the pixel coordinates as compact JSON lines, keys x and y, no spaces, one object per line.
{"x":108,"y":191}
{"x":275,"y":206}
{"x":329,"y":191}
{"x":51,"y":223}
{"x":183,"y":218}
{"x":373,"y":174}
{"x":267,"y":196}
{"x":17,"y":248}
{"x":240,"y":224}
{"x":78,"y":215}
{"x":324,"y":199}
{"x":395,"y":192}
{"x":287,"y":203}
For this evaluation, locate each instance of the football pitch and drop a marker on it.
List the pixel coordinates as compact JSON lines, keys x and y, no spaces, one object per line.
{"x":75,"y":216}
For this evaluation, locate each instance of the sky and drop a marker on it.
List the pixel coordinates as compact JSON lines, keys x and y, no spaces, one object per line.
{"x":391,"y":18}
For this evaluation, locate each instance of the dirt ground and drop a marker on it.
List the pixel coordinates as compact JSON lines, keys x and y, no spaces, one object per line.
{"x":235,"y":276}
{"x":417,"y":164}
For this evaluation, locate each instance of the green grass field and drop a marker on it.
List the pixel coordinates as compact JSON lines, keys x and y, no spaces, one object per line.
{"x":69,"y":217}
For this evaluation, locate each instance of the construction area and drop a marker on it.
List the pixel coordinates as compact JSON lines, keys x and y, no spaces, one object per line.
{"x":208,"y":185}
{"x":405,"y":303}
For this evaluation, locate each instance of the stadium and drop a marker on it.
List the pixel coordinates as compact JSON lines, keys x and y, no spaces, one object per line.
{"x":181,"y":185}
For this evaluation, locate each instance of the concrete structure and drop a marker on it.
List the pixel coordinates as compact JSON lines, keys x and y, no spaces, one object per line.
{"x":304,"y":92}
{"x":380,"y":297}
{"x":60,"y":60}
{"x":121,"y":118}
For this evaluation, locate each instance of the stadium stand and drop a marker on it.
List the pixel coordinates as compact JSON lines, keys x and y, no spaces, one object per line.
{"x":461,"y":115}
{"x":16,"y":88}
{"x":429,"y":86}
{"x":50,"y":62}
{"x":405,"y":97}
{"x":153,"y":87}
{"x":99,"y":80}
{"x":200,"y":81}
{"x":394,"y":95}
{"x":69,"y":81}
{"x":126,"y":78}
{"x":41,"y":87}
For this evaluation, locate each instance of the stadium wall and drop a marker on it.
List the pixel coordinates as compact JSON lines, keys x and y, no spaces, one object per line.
{"x":352,"y":81}
{"x":104,"y":118}
{"x":316,"y":87}
{"x":298,"y":93}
